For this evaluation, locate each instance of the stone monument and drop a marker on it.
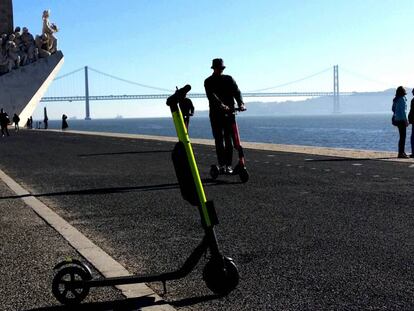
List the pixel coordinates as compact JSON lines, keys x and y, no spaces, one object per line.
{"x":22,"y":89}
{"x":6,"y":16}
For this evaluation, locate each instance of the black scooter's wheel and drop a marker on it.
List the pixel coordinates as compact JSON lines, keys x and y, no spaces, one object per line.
{"x":214,"y":172}
{"x":244,"y":175}
{"x":65,"y":290}
{"x":221,"y":276}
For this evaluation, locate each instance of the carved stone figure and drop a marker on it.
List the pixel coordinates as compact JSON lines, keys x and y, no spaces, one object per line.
{"x":29,"y":45}
{"x":49,"y":29}
{"x":6,"y":64}
{"x":20,"y":48}
{"x":12,"y":51}
{"x":42,"y":43}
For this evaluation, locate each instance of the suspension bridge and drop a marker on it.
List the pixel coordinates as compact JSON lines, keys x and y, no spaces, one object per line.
{"x":86,"y":97}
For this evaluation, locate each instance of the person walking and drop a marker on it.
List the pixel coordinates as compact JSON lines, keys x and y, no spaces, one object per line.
{"x":16,"y":121}
{"x":399,"y":108}
{"x":411,"y":121}
{"x":187,"y":110}
{"x":4,"y":122}
{"x":64,"y":122}
{"x":221,"y":91}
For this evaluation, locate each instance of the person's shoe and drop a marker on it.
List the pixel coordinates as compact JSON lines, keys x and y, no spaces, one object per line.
{"x":403,"y":156}
{"x":229,"y":170}
{"x":412,"y":155}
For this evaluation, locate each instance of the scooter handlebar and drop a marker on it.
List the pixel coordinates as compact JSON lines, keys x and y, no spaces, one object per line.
{"x":179,"y":95}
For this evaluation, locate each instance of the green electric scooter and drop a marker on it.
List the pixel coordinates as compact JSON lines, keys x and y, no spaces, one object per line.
{"x":73,"y":278}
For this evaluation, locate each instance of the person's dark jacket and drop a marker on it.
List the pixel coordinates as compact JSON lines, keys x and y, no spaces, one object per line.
{"x":222,"y":89}
{"x":187,"y":107}
{"x":4,"y":119}
{"x":16,"y":119}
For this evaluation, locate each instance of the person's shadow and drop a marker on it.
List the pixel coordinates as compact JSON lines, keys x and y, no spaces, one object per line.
{"x":131,"y":304}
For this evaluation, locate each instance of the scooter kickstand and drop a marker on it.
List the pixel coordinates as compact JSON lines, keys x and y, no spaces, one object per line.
{"x":164,"y":285}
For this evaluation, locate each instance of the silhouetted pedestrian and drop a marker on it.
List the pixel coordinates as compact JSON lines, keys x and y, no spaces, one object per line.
{"x":411,"y":120}
{"x":16,"y":121}
{"x":187,"y":110}
{"x":45,"y":118}
{"x":4,"y":122}
{"x":64,"y":122}
{"x":399,"y":108}
{"x":31,"y":122}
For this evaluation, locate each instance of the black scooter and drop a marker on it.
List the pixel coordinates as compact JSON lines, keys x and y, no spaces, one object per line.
{"x":240,"y":168}
{"x":73,"y":278}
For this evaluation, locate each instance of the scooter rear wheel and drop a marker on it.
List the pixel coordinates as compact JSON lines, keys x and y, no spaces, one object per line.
{"x":214,"y":172}
{"x":244,"y":175}
{"x":221,"y":276}
{"x":63,"y":288}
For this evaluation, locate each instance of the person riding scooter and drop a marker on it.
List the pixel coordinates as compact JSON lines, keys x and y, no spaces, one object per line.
{"x":221,"y":91}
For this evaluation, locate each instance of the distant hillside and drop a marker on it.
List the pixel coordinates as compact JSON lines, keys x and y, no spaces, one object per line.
{"x":372,"y":103}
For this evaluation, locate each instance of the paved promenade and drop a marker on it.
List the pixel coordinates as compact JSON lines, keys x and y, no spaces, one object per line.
{"x":309,"y":231}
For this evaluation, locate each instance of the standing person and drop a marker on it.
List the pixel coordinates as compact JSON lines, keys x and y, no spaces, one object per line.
{"x":411,"y":120}
{"x":31,"y":122}
{"x":4,"y":122}
{"x":187,"y":109}
{"x":45,"y":118}
{"x":16,"y":121}
{"x":64,"y":122}
{"x":399,"y":108}
{"x":221,"y":91}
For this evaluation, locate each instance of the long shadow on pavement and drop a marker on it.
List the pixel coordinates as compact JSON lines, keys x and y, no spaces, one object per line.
{"x":96,"y":191}
{"x":349,"y":159}
{"x":121,"y":153}
{"x":131,"y":304}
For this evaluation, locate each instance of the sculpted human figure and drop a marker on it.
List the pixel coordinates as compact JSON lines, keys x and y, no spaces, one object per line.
{"x":4,"y":40}
{"x":41,"y":45}
{"x":20,"y":48}
{"x":12,"y":51}
{"x":29,"y":45}
{"x":49,"y":29}
{"x":6,"y":65}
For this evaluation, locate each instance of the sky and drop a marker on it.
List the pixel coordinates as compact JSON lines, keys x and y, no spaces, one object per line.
{"x":264,"y":43}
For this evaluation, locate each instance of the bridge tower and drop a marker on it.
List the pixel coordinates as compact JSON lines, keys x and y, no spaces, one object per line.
{"x":87,"y":113}
{"x":336,"y":107}
{"x":6,"y":16}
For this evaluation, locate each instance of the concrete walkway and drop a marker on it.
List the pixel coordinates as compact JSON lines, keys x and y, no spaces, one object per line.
{"x":308,"y":231}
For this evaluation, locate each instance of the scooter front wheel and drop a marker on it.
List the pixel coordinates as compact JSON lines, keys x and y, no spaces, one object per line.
{"x":66,"y":288}
{"x":221,"y":276}
{"x":214,"y":172}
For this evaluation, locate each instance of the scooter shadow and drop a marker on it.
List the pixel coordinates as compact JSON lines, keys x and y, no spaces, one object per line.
{"x":207,"y":182}
{"x":131,"y":304}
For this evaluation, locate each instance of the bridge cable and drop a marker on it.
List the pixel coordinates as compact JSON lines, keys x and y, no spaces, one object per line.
{"x":131,"y":82}
{"x":361,"y":76}
{"x":68,"y":74}
{"x":291,"y":82}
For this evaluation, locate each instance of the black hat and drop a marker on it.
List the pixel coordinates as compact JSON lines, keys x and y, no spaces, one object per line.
{"x":217,"y":64}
